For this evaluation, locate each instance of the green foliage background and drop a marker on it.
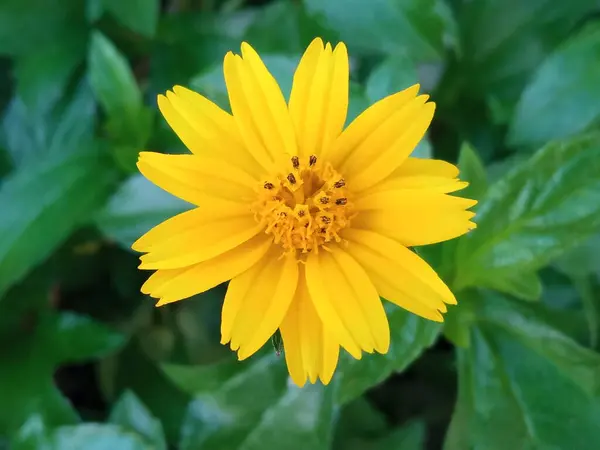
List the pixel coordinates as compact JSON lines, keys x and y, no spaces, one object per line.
{"x":87,"y":362}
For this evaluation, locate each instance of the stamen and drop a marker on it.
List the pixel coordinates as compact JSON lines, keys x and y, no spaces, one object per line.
{"x":304,"y":209}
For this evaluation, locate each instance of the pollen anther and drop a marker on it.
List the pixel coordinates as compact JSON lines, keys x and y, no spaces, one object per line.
{"x":306,"y":209}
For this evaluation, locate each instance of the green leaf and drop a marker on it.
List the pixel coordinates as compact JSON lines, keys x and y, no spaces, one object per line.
{"x":136,"y":207}
{"x":503,"y":43}
{"x":201,"y":378}
{"x":138,"y":15}
{"x":28,"y":26}
{"x":284,"y":425}
{"x":95,"y":437}
{"x":28,"y":365}
{"x":533,"y":214}
{"x":223,"y":419}
{"x":414,"y":27}
{"x":587,"y":287}
{"x":581,"y":260}
{"x":42,"y":76}
{"x":281,"y":27}
{"x":31,"y":436}
{"x":42,"y":203}
{"x":133,"y":370}
{"x":117,"y":91}
{"x":408,"y":437}
{"x":523,"y":384}
{"x":40,"y":129}
{"x":411,"y":335}
{"x":74,"y":338}
{"x":525,"y":285}
{"x":472,"y":170}
{"x":559,"y":103}
{"x":130,"y":413}
{"x":393,"y":75}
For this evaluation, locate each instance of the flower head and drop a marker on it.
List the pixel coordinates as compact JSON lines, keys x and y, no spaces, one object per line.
{"x":310,"y":222}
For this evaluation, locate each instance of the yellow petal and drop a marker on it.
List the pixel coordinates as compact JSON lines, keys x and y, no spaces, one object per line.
{"x":399,"y":275}
{"x":194,"y":178}
{"x":367,"y":297}
{"x":192,"y":219}
{"x":177,"y":284}
{"x":425,"y":167}
{"x":257,"y":302}
{"x":258,"y":107}
{"x":418,"y":173}
{"x":208,"y":239}
{"x":205,"y":129}
{"x":367,"y":122}
{"x":441,"y":185}
{"x":347,"y":301}
{"x":386,"y":147}
{"x":319,"y":97}
{"x":414,"y":217}
{"x":310,"y":350}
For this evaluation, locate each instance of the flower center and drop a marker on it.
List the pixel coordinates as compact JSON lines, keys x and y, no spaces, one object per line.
{"x":305,"y":206}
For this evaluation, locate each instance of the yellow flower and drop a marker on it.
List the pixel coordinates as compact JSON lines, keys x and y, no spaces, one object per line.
{"x":310,"y":222}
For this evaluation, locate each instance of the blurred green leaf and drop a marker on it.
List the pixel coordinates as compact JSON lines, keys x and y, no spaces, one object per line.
{"x":31,"y":436}
{"x":62,"y":125}
{"x":94,"y":9}
{"x":473,"y":171}
{"x":133,"y":370}
{"x":136,"y":207}
{"x":524,"y":285}
{"x":130,"y":413}
{"x":223,"y":418}
{"x":42,"y":76}
{"x":559,"y":103}
{"x":302,"y":418}
{"x":42,"y":203}
{"x":201,"y":378}
{"x":138,"y":15}
{"x":282,"y":27}
{"x":581,"y":260}
{"x":359,"y":420}
{"x":411,"y":335}
{"x":533,"y":214}
{"x":117,"y":91}
{"x":503,"y":43}
{"x":28,"y":365}
{"x":89,"y":436}
{"x":523,"y":384}
{"x":27,"y":26}
{"x":393,"y":75}
{"x":587,"y":287}
{"x":410,"y":436}
{"x":413,"y":27}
